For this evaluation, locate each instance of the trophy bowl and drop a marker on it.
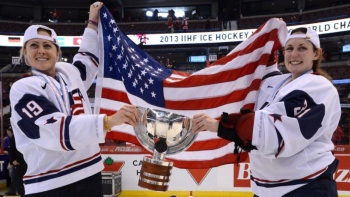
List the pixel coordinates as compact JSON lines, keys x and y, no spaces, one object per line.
{"x":163,"y":133}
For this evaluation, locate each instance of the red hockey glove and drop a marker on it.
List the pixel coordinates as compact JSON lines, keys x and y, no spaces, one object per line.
{"x":238,"y":128}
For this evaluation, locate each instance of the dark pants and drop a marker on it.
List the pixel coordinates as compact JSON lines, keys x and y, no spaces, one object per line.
{"x":18,"y":173}
{"x":323,"y":186}
{"x":88,"y":187}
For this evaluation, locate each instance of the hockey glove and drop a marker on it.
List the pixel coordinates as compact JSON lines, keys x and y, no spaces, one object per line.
{"x":238,"y":128}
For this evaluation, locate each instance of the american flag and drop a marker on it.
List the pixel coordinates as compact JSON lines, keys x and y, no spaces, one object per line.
{"x":128,"y":75}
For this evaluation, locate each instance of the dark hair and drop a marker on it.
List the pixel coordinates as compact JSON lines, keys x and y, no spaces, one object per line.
{"x":300,"y":29}
{"x":10,"y":129}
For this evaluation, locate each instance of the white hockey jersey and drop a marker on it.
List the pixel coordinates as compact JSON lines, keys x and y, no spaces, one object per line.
{"x":60,"y":146}
{"x":294,"y":123}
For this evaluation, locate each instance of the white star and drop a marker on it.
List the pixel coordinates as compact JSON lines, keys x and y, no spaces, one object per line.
{"x":139,"y":76}
{"x":105,"y":15}
{"x":141,"y":90}
{"x":109,"y":37}
{"x":145,"y":60}
{"x":146,"y":85}
{"x":110,"y":68}
{"x":122,"y":78}
{"x":125,"y":65}
{"x":114,"y":47}
{"x":119,"y":57}
{"x":112,"y":21}
{"x":143,"y":72}
{"x":153,"y":95}
{"x":115,"y":29}
{"x":159,"y":69}
{"x":137,"y":65}
{"x":134,"y":84}
{"x":150,"y":80}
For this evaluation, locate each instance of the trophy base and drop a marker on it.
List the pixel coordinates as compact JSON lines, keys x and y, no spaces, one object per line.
{"x":155,"y":174}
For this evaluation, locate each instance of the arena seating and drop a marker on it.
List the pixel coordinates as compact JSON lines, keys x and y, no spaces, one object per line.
{"x":76,"y":29}
{"x":327,"y":14}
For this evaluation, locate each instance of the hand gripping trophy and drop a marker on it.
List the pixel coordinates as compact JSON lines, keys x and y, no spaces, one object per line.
{"x":163,"y":133}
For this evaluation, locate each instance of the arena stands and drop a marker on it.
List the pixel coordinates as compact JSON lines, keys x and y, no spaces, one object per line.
{"x":297,"y":18}
{"x":76,"y":29}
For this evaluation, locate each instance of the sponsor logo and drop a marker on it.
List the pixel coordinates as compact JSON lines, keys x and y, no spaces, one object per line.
{"x":76,"y":41}
{"x":14,"y":39}
{"x":111,"y":165}
{"x":43,"y":87}
{"x":60,"y":41}
{"x":241,"y":177}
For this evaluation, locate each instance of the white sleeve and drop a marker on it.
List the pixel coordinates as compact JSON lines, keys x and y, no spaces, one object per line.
{"x":302,"y":116}
{"x":87,"y":59}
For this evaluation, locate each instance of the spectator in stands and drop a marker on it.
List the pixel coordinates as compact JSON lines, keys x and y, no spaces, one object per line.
{"x":55,"y":14}
{"x":7,"y":145}
{"x":168,"y":64}
{"x":51,"y":115}
{"x":155,"y":15}
{"x":160,"y":60}
{"x":207,"y":24}
{"x":176,"y":25}
{"x":9,"y":87}
{"x":184,"y":24}
{"x":171,"y":13}
{"x":292,"y":126}
{"x":224,"y":18}
{"x":170,"y":24}
{"x":19,"y":166}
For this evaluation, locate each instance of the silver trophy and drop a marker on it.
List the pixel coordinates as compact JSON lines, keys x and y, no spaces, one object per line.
{"x":163,"y":133}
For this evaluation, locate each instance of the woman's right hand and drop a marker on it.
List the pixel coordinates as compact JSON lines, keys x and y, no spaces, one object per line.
{"x":94,"y":13}
{"x":127,"y":114}
{"x":203,"y":122}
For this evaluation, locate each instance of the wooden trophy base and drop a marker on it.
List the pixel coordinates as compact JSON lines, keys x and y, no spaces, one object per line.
{"x":155,"y":174}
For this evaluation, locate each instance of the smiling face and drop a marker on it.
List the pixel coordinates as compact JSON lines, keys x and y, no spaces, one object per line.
{"x":299,"y":56}
{"x":42,"y":54}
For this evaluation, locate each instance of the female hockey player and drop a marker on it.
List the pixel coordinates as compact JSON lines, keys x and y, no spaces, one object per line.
{"x":52,"y":119}
{"x":289,"y":133}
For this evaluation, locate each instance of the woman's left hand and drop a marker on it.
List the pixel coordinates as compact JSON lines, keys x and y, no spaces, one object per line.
{"x":203,"y":122}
